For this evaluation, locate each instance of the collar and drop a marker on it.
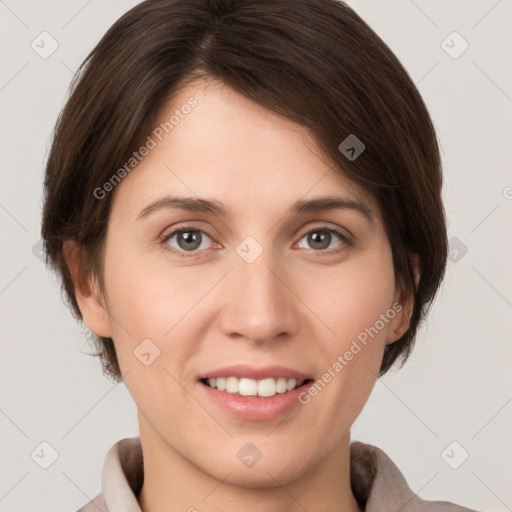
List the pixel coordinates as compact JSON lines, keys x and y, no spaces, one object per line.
{"x":377,"y":483}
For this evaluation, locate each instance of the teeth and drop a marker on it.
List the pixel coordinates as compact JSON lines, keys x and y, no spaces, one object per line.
{"x":251,"y":387}
{"x":281,"y":385}
{"x":232,"y":385}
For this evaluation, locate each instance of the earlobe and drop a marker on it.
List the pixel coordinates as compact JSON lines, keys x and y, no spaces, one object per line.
{"x":87,"y":292}
{"x":398,"y":327}
{"x":405,"y":298}
{"x":400,"y":330}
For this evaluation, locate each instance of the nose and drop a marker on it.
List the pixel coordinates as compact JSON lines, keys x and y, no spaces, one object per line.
{"x":258,"y":303}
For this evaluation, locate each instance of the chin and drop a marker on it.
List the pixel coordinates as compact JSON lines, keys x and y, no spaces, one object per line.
{"x":277,"y":465}
{"x":261,"y":477}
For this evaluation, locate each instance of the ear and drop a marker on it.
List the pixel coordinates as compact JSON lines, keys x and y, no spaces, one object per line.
{"x":405,"y":297}
{"x":87,"y":292}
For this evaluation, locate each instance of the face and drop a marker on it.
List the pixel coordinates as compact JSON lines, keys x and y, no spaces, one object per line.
{"x":252,"y":289}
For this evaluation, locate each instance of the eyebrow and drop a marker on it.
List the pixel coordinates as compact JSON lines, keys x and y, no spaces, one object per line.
{"x":300,"y":207}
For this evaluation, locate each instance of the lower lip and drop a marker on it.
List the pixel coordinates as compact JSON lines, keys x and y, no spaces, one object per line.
{"x":254,"y":407}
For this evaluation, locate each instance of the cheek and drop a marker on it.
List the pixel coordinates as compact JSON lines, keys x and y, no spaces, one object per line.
{"x":145,"y":295}
{"x":151,"y":300}
{"x":357,"y":307}
{"x":356,"y":295}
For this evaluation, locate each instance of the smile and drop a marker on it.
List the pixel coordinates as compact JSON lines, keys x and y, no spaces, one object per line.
{"x":251,"y":387}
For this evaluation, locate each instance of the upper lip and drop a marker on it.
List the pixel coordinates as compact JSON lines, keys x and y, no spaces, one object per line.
{"x":251,"y":372}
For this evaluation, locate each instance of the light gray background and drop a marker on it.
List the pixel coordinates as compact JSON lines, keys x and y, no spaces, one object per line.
{"x":456,"y":386}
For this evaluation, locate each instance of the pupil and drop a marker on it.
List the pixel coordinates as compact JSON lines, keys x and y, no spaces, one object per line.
{"x":323,"y":237}
{"x":191,"y":239}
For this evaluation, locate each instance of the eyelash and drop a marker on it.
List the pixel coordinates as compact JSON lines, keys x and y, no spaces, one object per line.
{"x":183,"y":254}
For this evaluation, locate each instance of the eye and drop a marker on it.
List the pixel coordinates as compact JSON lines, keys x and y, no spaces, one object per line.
{"x":187,"y":240}
{"x":320,"y":238}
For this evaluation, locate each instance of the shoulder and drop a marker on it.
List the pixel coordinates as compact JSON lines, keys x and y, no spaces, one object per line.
{"x":121,"y":479}
{"x":379,"y":485}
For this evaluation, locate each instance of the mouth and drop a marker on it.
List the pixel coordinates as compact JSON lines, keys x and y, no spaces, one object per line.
{"x":263,"y":388}
{"x":255,"y":393}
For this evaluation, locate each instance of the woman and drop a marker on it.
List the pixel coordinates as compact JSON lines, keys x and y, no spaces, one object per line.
{"x":243,"y":201}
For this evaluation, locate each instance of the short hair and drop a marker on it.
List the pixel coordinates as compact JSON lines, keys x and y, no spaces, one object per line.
{"x":315,"y":62}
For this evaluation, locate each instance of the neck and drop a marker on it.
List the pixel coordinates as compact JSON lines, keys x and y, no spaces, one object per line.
{"x":172,"y":484}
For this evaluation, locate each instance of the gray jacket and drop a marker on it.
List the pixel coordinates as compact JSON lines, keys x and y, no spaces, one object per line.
{"x":377,"y":483}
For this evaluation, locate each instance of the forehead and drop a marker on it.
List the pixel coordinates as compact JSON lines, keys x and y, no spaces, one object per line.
{"x":229,"y":147}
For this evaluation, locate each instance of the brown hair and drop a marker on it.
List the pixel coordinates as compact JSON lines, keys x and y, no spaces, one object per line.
{"x":313,"y":61}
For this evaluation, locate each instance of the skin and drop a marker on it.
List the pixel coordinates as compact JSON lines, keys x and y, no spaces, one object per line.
{"x":296,"y":305}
